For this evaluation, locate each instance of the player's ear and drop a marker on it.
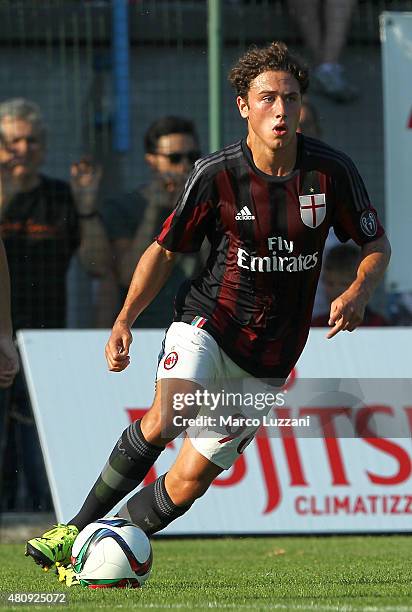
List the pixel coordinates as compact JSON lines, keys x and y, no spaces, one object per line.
{"x":243,"y":107}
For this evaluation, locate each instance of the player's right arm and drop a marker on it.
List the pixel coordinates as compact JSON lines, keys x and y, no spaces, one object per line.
{"x":151,"y":273}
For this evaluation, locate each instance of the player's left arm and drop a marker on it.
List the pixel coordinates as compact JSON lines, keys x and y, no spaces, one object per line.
{"x":347,"y":310}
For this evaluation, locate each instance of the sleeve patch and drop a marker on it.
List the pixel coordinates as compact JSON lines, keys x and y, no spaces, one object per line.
{"x":369,"y":223}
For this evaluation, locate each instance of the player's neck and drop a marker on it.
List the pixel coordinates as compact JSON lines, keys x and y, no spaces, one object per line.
{"x":278,"y":162}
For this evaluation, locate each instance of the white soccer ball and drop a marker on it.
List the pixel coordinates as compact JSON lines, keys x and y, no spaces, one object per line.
{"x":112,"y":552}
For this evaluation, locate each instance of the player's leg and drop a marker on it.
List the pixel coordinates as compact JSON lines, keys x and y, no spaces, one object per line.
{"x":173,"y":493}
{"x":189,"y":355}
{"x":134,"y":454}
{"x":170,"y":496}
{"x":208,"y":449}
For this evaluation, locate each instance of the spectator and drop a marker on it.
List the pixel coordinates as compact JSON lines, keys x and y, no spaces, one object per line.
{"x":43,"y":222}
{"x":323,"y":26}
{"x":339,"y":272}
{"x":132,"y":220}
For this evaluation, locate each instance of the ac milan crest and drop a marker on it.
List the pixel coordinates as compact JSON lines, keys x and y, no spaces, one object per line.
{"x":170,"y":360}
{"x":312,"y":209}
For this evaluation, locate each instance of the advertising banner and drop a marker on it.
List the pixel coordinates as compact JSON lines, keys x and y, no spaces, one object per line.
{"x":343,"y":465}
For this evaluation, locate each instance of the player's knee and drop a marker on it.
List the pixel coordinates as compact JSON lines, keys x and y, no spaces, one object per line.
{"x":151,"y":425}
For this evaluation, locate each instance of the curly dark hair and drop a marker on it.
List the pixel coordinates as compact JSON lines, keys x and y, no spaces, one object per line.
{"x":256,"y":60}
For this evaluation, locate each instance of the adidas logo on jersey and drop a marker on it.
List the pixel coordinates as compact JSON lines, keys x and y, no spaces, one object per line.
{"x":244,"y":215}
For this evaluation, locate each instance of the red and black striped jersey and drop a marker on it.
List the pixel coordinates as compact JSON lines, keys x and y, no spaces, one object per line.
{"x":267,"y":235}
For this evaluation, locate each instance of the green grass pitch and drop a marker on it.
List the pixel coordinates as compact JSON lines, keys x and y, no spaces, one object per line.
{"x":325,"y":573}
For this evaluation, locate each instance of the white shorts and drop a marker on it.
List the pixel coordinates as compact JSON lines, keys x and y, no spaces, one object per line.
{"x":222,"y":432}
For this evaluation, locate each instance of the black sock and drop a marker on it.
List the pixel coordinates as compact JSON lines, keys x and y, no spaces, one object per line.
{"x":151,"y":508}
{"x":128,"y":464}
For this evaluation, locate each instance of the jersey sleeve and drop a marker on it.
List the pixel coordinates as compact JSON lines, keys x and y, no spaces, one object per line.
{"x":354,"y":215}
{"x":186,"y":227}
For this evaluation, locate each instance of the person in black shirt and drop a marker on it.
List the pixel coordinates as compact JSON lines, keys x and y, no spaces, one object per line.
{"x":43,"y":222}
{"x":265,"y":204}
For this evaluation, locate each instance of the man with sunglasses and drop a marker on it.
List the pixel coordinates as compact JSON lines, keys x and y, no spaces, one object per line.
{"x":133,"y":219}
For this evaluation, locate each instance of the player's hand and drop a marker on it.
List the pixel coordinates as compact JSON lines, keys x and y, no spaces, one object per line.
{"x":9,"y":361}
{"x":117,"y":348}
{"x":347,"y":311}
{"x":85,"y":177}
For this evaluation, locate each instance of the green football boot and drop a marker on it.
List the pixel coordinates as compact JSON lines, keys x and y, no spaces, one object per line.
{"x":53,"y":547}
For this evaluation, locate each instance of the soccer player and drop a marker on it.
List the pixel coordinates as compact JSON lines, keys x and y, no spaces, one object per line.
{"x":266,"y":204}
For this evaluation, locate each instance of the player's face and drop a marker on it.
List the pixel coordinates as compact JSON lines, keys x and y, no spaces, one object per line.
{"x":272,"y":109}
{"x":22,"y":148}
{"x":175,"y":154}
